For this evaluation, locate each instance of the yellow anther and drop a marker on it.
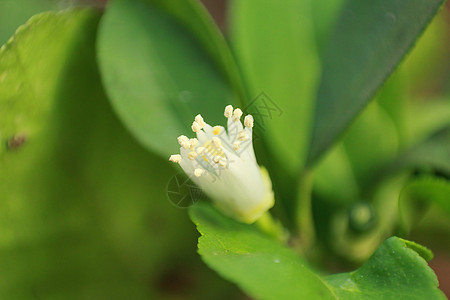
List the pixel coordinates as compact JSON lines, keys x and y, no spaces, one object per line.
{"x":195,"y":127}
{"x":182,"y":138}
{"x":175,"y":158}
{"x":200,"y":121}
{"x":201,"y":150}
{"x":199,"y":172}
{"x":192,"y":155}
{"x":248,"y":121}
{"x":237,"y":114}
{"x":242,"y":136}
{"x":216,"y":130}
{"x":216,"y":142}
{"x":193,"y":142}
{"x":236,"y":145}
{"x":228,"y":111}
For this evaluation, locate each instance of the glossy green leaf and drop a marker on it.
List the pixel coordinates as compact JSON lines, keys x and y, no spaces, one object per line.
{"x":397,"y":270}
{"x":83,"y":210}
{"x":157,"y":74}
{"x":369,"y":41}
{"x":267,"y":270}
{"x":259,"y":265}
{"x":275,"y":46}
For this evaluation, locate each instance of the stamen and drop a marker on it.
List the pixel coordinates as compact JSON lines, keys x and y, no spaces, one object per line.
{"x":216,"y":130}
{"x":236,"y":145}
{"x":217,"y":142}
{"x":199,"y":172}
{"x":182,"y":138}
{"x":201,"y":150}
{"x":216,"y":159}
{"x":223,"y":162}
{"x":175,"y":158}
{"x":242,"y":136}
{"x":200,"y":121}
{"x":248,"y":121}
{"x":193,"y":142}
{"x":192,"y":155}
{"x":237,"y":114}
{"x":228,"y":111}
{"x":195,"y":127}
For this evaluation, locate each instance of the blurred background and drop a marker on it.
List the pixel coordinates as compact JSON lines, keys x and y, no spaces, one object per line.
{"x":105,"y":247}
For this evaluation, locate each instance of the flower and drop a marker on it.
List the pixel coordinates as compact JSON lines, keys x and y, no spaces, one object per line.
{"x":223,"y":164}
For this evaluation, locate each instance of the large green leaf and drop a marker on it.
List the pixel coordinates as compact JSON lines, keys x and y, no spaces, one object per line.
{"x":259,"y":265}
{"x":369,"y":41}
{"x":275,"y":45}
{"x":267,"y":270}
{"x":157,"y":74}
{"x":83,"y":210}
{"x":397,"y":270}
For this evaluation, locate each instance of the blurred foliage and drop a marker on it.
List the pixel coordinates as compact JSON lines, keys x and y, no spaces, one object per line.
{"x":83,"y":206}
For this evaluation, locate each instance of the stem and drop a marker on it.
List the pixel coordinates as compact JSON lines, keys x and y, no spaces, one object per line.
{"x":273,"y":228}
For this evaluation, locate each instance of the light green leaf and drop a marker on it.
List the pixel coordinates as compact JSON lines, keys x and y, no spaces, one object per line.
{"x":83,"y":210}
{"x":14,"y":13}
{"x":275,"y":45}
{"x":157,"y":74}
{"x":259,"y":265}
{"x":369,"y":41}
{"x":397,"y":270}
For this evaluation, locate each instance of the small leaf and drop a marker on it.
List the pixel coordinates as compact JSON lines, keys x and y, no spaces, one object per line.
{"x":259,"y":265}
{"x":397,"y":270}
{"x":157,"y":74}
{"x":369,"y":41}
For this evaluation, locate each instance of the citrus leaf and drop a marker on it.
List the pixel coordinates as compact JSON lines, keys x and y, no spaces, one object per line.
{"x":369,"y":41}
{"x":259,"y":265}
{"x":275,"y":45}
{"x":157,"y":74}
{"x":397,"y":270}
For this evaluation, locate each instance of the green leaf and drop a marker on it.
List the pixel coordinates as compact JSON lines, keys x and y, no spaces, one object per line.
{"x":397,"y":270}
{"x":371,"y":141}
{"x":431,"y":153}
{"x":14,"y":13}
{"x":369,"y":41}
{"x":276,"y":48}
{"x":157,"y":74}
{"x":418,"y":194}
{"x":83,"y":210}
{"x":259,"y":265}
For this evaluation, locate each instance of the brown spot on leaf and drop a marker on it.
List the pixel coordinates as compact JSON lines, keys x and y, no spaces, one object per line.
{"x":16,"y":141}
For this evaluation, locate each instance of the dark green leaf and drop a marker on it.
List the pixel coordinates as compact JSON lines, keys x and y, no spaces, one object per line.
{"x":369,"y":41}
{"x":397,"y":270}
{"x":259,"y":265}
{"x":157,"y":74}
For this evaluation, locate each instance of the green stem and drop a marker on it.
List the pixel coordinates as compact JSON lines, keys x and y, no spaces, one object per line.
{"x":273,"y":228}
